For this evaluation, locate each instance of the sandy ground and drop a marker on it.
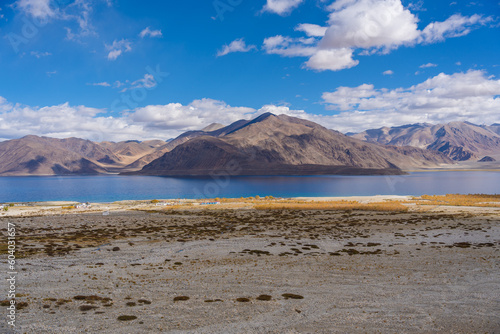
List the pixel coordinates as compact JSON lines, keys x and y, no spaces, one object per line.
{"x":348,"y":272}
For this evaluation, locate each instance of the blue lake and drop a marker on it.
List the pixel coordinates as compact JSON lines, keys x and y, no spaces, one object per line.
{"x":111,"y":188}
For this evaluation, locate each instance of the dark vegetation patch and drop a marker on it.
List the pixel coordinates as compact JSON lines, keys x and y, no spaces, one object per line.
{"x":292,"y":296}
{"x":264,"y":297}
{"x":84,"y":308}
{"x":69,"y":233}
{"x":180,"y":298}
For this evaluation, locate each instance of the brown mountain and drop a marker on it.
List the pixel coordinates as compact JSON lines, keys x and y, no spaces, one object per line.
{"x":33,"y":155}
{"x":281,"y":144}
{"x":461,"y":141}
{"x":132,"y":150}
{"x":212,"y":130}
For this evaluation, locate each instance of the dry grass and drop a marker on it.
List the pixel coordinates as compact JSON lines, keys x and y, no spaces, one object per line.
{"x":393,"y":206}
{"x":461,"y":200}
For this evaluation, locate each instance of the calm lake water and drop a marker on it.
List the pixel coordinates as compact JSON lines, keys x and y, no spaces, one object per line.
{"x":115,"y":188}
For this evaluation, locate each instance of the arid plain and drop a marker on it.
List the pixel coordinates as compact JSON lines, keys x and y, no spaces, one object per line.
{"x":368,"y":264}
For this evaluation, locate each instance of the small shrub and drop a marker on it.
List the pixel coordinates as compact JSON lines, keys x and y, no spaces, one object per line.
{"x":180,"y":298}
{"x":264,"y":297}
{"x":292,"y":296}
{"x":84,"y":308}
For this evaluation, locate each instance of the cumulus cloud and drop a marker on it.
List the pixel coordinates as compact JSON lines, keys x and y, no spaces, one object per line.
{"x":312,"y":30}
{"x":151,"y":33}
{"x":59,"y":121}
{"x":388,"y":72}
{"x":150,"y":122}
{"x":366,"y":27}
{"x":332,"y":59}
{"x":237,"y":45}
{"x":117,"y":48}
{"x":281,"y":7}
{"x":369,"y":24}
{"x":470,"y":96}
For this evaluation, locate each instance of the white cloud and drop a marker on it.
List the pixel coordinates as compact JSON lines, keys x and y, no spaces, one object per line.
{"x":365,"y":27}
{"x":37,"y":8}
{"x":369,"y":24}
{"x":281,"y":7}
{"x":151,"y":122}
{"x":148,"y":82}
{"x":150,"y":33}
{"x":428,"y":65}
{"x":312,"y":30}
{"x":333,"y":59}
{"x":237,"y":45}
{"x":290,"y":47}
{"x":455,"y":26}
{"x":388,"y":72}
{"x":78,"y":11}
{"x":470,"y":96}
{"x":117,"y":48}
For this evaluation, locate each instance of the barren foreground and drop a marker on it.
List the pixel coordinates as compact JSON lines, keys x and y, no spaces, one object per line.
{"x":258,"y":271}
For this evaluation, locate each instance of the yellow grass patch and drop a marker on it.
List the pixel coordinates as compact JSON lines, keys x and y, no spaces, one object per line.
{"x":462,"y":200}
{"x":393,"y":206}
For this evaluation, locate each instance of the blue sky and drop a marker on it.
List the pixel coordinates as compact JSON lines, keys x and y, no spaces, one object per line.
{"x":116,"y":70}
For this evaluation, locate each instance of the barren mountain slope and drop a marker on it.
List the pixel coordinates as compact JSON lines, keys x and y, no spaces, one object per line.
{"x":275,"y":144}
{"x":460,"y":141}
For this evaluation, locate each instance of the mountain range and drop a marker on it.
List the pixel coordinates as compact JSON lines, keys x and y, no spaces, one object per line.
{"x":267,"y":145}
{"x":460,"y":141}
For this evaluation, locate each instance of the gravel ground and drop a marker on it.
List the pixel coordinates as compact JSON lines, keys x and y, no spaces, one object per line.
{"x":325,"y":272}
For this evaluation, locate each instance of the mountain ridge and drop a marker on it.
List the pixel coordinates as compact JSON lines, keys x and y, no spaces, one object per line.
{"x":275,"y":145}
{"x":266,"y":145}
{"x":460,"y":141}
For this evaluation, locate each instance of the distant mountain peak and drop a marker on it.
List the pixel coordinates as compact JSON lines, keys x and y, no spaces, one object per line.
{"x":213,"y":127}
{"x":459,"y":140}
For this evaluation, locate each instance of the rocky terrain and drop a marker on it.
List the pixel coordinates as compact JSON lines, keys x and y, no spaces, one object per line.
{"x":284,"y":145}
{"x":235,"y":269}
{"x":460,"y":141}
